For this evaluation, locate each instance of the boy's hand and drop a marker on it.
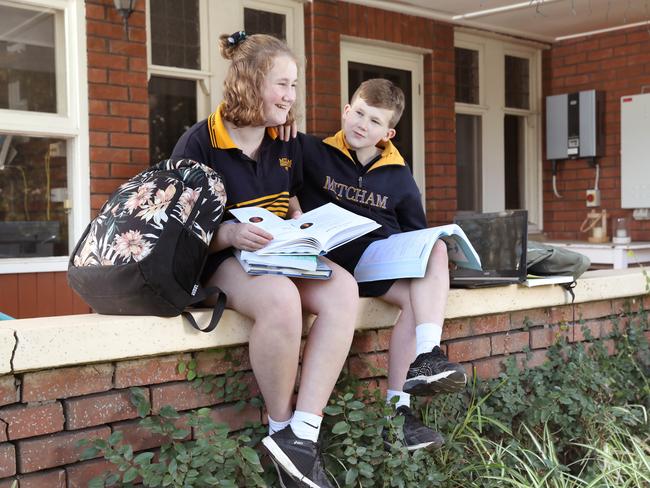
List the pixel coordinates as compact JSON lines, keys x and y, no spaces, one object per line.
{"x":247,"y":237}
{"x":296,"y":214}
{"x":287,"y":131}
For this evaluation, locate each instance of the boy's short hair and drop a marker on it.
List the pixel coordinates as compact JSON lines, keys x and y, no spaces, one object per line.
{"x":382,"y":93}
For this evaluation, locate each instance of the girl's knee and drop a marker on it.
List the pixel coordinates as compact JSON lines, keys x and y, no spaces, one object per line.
{"x":278,"y":298}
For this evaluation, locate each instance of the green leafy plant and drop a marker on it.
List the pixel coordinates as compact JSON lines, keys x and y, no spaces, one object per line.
{"x":210,"y":458}
{"x":579,"y":420}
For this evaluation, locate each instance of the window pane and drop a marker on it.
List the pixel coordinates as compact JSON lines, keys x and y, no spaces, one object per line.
{"x":175,"y":33}
{"x":172,"y":110}
{"x":33,"y":190}
{"x":514,"y":151}
{"x":468,"y":162}
{"x":467,"y":74}
{"x":517,"y":82}
{"x":27,"y":60}
{"x":262,"y":22}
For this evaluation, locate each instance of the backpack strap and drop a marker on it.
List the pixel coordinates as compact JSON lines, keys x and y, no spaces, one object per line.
{"x":569,"y":287}
{"x":217,"y":312}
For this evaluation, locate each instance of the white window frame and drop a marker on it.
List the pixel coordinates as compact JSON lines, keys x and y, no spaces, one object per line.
{"x":492,"y":109}
{"x":217,"y":18}
{"x":400,"y":57}
{"x":70,"y":123}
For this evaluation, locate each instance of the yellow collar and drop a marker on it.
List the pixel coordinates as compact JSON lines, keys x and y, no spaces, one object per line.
{"x":389,"y":154}
{"x":219,"y":136}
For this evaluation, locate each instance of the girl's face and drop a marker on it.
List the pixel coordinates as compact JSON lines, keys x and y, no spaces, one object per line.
{"x":279,"y":90}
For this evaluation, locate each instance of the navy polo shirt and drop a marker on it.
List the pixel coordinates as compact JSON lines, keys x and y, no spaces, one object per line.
{"x":268,"y":182}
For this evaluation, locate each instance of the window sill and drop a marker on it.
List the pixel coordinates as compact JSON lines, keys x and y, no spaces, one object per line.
{"x":34,"y":265}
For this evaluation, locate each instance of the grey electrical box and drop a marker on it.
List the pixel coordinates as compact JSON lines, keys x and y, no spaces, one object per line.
{"x":574,"y":125}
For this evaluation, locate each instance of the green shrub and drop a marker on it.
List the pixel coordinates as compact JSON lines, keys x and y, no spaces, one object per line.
{"x":579,"y":420}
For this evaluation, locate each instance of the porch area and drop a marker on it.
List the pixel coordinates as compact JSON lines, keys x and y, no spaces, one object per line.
{"x":68,"y":378}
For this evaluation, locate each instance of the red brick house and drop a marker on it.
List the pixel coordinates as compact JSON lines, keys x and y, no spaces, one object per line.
{"x":86,"y":102}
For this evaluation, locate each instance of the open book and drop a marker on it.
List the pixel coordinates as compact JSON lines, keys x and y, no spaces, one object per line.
{"x":406,"y":255}
{"x":315,"y":232}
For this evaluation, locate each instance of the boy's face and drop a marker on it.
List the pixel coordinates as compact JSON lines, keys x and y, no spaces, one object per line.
{"x":364,"y":126}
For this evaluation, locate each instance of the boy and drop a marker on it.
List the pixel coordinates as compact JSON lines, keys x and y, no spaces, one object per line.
{"x":359,"y":169}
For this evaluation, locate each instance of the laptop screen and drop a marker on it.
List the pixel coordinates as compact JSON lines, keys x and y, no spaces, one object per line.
{"x":500,"y":240}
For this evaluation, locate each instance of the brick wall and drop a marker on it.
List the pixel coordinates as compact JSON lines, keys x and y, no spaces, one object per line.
{"x":617,"y":63}
{"x":118,"y":100}
{"x":326,"y":21}
{"x":43,"y":414}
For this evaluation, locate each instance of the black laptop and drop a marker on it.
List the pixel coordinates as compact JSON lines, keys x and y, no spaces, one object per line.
{"x":500,"y":240}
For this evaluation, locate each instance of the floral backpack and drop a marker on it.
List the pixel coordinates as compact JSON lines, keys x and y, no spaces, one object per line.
{"x":144,"y":253}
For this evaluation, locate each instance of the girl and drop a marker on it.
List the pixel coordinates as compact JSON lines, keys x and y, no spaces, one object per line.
{"x":259,"y":169}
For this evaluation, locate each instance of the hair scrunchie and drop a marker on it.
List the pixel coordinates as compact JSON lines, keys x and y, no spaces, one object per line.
{"x":236,"y":38}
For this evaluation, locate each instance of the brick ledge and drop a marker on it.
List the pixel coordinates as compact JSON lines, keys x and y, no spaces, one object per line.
{"x":51,"y":342}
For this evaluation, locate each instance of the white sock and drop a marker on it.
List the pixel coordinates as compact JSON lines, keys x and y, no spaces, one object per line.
{"x":306,"y":425}
{"x":275,"y":426}
{"x":404,"y":398}
{"x":427,"y":336}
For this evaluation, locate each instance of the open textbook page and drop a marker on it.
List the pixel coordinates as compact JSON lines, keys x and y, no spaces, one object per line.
{"x":405,"y":255}
{"x":315,"y":232}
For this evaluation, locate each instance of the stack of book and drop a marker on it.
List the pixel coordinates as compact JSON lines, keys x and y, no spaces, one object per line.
{"x":297,"y":243}
{"x":297,"y":266}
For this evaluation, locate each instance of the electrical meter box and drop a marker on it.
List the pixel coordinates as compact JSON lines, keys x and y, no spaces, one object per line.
{"x":574,"y":125}
{"x":635,"y":151}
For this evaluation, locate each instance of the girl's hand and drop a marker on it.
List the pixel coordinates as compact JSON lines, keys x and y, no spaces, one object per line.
{"x":296,"y":214}
{"x":247,"y":237}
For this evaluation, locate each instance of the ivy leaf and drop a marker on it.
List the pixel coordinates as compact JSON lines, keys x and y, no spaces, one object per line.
{"x":115,"y":437}
{"x":97,"y":482}
{"x":130,"y":475}
{"x":356,"y":405}
{"x":143,"y":458}
{"x":341,"y":427}
{"x":89,"y":453}
{"x":250,"y":455}
{"x":356,"y":415}
{"x":351,"y":476}
{"x":333,"y":410}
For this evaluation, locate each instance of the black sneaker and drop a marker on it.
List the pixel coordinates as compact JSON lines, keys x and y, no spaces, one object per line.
{"x":432,"y":372}
{"x":298,"y":458}
{"x":416,"y":434}
{"x":284,"y":479}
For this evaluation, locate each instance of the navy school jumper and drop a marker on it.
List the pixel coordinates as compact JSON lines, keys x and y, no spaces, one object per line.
{"x":384,"y":190}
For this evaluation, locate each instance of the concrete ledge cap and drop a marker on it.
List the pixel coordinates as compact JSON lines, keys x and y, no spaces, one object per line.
{"x":7,"y":344}
{"x":51,"y":342}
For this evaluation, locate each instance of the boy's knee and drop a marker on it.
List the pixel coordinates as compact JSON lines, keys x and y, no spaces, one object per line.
{"x":440,"y":249}
{"x":439,"y":259}
{"x":347,"y":292}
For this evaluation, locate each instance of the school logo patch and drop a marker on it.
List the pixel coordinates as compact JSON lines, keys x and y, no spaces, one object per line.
{"x":285,"y":163}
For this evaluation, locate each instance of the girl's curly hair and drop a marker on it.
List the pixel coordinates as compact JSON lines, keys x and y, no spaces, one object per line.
{"x":251,"y":59}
